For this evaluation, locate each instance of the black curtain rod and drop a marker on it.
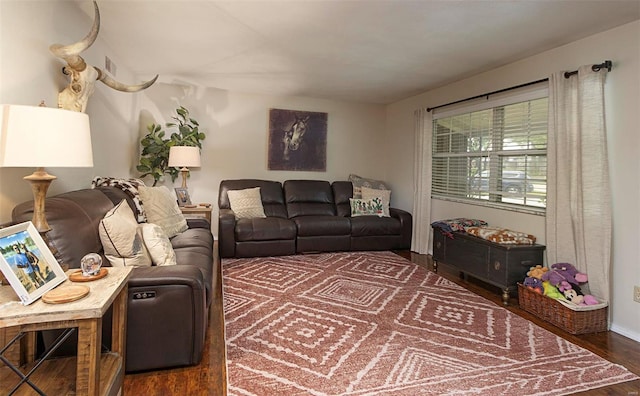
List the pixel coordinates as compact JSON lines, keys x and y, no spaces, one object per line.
{"x":606,"y":64}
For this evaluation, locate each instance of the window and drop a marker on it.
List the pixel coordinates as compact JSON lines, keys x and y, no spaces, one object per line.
{"x":495,"y":156}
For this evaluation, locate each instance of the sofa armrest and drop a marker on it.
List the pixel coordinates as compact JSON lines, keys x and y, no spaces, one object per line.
{"x":166,"y":307}
{"x":188,"y":275}
{"x":406,"y":220}
{"x":198,"y":222}
{"x":226,"y":233}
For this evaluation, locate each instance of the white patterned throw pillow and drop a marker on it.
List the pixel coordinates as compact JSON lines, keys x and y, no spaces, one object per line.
{"x":384,"y":195}
{"x":122,"y":239}
{"x":162,"y":209}
{"x":247,"y":203}
{"x":158,"y":244}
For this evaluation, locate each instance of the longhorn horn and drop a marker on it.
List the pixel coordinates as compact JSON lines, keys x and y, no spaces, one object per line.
{"x":110,"y":82}
{"x":71,"y":52}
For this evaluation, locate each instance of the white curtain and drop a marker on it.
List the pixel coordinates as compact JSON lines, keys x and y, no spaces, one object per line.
{"x":578,"y":220}
{"x":422,"y":182}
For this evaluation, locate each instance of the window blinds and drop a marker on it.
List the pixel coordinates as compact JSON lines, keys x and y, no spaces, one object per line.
{"x":493,"y":151}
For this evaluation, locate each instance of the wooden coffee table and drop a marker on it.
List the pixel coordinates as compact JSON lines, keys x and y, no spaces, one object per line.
{"x":94,"y":373}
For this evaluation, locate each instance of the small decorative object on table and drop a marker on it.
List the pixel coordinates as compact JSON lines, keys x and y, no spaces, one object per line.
{"x":183,"y":197}
{"x":91,"y":265}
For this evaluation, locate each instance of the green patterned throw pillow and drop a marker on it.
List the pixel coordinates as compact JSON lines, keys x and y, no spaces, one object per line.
{"x":366,"y":207}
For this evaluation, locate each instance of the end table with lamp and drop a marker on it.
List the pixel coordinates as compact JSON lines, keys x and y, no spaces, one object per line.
{"x":184,"y":157}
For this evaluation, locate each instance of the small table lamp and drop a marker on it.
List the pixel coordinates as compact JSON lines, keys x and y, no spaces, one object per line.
{"x":38,"y":136}
{"x":183,"y":157}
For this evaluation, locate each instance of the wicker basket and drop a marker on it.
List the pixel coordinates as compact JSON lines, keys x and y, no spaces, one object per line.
{"x":579,"y":321}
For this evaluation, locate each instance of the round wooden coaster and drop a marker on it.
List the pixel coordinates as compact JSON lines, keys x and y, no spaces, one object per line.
{"x":65,"y":294}
{"x":78,"y":277}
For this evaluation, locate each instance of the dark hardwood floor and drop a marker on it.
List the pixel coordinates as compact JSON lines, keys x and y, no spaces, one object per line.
{"x":208,"y":378}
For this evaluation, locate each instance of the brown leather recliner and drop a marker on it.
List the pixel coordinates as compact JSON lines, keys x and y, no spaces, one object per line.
{"x":167,"y":305}
{"x":310,"y":205}
{"x":274,"y":235}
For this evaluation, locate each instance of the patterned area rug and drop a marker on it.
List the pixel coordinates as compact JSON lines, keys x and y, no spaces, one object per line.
{"x":371,"y":323}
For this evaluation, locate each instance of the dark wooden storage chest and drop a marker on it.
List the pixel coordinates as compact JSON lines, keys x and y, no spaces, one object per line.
{"x":499,"y":265}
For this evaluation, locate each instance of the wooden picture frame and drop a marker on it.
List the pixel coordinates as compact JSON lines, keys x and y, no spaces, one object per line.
{"x":27,"y":262}
{"x":183,"y":196}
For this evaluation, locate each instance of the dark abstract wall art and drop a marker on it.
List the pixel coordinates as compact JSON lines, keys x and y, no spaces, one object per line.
{"x":297,"y":140}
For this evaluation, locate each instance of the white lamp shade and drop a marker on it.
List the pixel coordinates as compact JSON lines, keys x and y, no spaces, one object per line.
{"x":34,"y":136}
{"x":184,"y":156}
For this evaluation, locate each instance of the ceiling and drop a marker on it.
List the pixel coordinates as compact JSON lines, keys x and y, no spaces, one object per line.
{"x":362,"y":51}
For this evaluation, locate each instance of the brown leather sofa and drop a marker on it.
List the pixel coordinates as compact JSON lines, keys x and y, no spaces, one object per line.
{"x":306,"y":216}
{"x":167,"y":305}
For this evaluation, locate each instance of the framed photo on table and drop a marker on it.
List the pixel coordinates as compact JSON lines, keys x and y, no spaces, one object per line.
{"x":27,"y":262}
{"x":183,"y":196}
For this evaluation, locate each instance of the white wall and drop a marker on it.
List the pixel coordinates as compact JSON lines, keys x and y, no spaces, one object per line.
{"x":29,"y":73}
{"x":236,"y":124}
{"x":622,"y":91}
{"x":237,"y":134}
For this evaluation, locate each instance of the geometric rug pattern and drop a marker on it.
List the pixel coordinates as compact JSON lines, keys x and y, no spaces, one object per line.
{"x":374,"y":323}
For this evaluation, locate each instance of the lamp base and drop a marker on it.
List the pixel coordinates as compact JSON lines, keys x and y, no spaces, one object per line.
{"x":40,"y":181}
{"x":185,"y":173}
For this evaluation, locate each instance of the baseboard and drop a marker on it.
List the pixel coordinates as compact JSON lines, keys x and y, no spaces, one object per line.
{"x":625,"y":332}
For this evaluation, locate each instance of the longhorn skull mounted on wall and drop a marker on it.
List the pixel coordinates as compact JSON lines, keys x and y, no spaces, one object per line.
{"x":82,"y":76}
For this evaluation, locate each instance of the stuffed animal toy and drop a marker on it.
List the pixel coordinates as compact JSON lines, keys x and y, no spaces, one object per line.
{"x":552,"y":291}
{"x":574,"y":294}
{"x":570,"y":272}
{"x":553,"y":277}
{"x":537,"y":271}
{"x":564,"y":285}
{"x":590,"y":300}
{"x":564,"y":272}
{"x":534,"y":284}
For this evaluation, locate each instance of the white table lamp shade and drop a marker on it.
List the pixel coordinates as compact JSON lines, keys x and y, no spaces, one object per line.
{"x":33,"y":136}
{"x":38,"y":136}
{"x":184,"y":156}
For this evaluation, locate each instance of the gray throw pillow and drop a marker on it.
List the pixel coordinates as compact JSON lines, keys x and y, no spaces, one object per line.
{"x":359,"y":182}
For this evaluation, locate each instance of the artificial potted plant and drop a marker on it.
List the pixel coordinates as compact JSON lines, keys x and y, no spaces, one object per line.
{"x":154,"y":159}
